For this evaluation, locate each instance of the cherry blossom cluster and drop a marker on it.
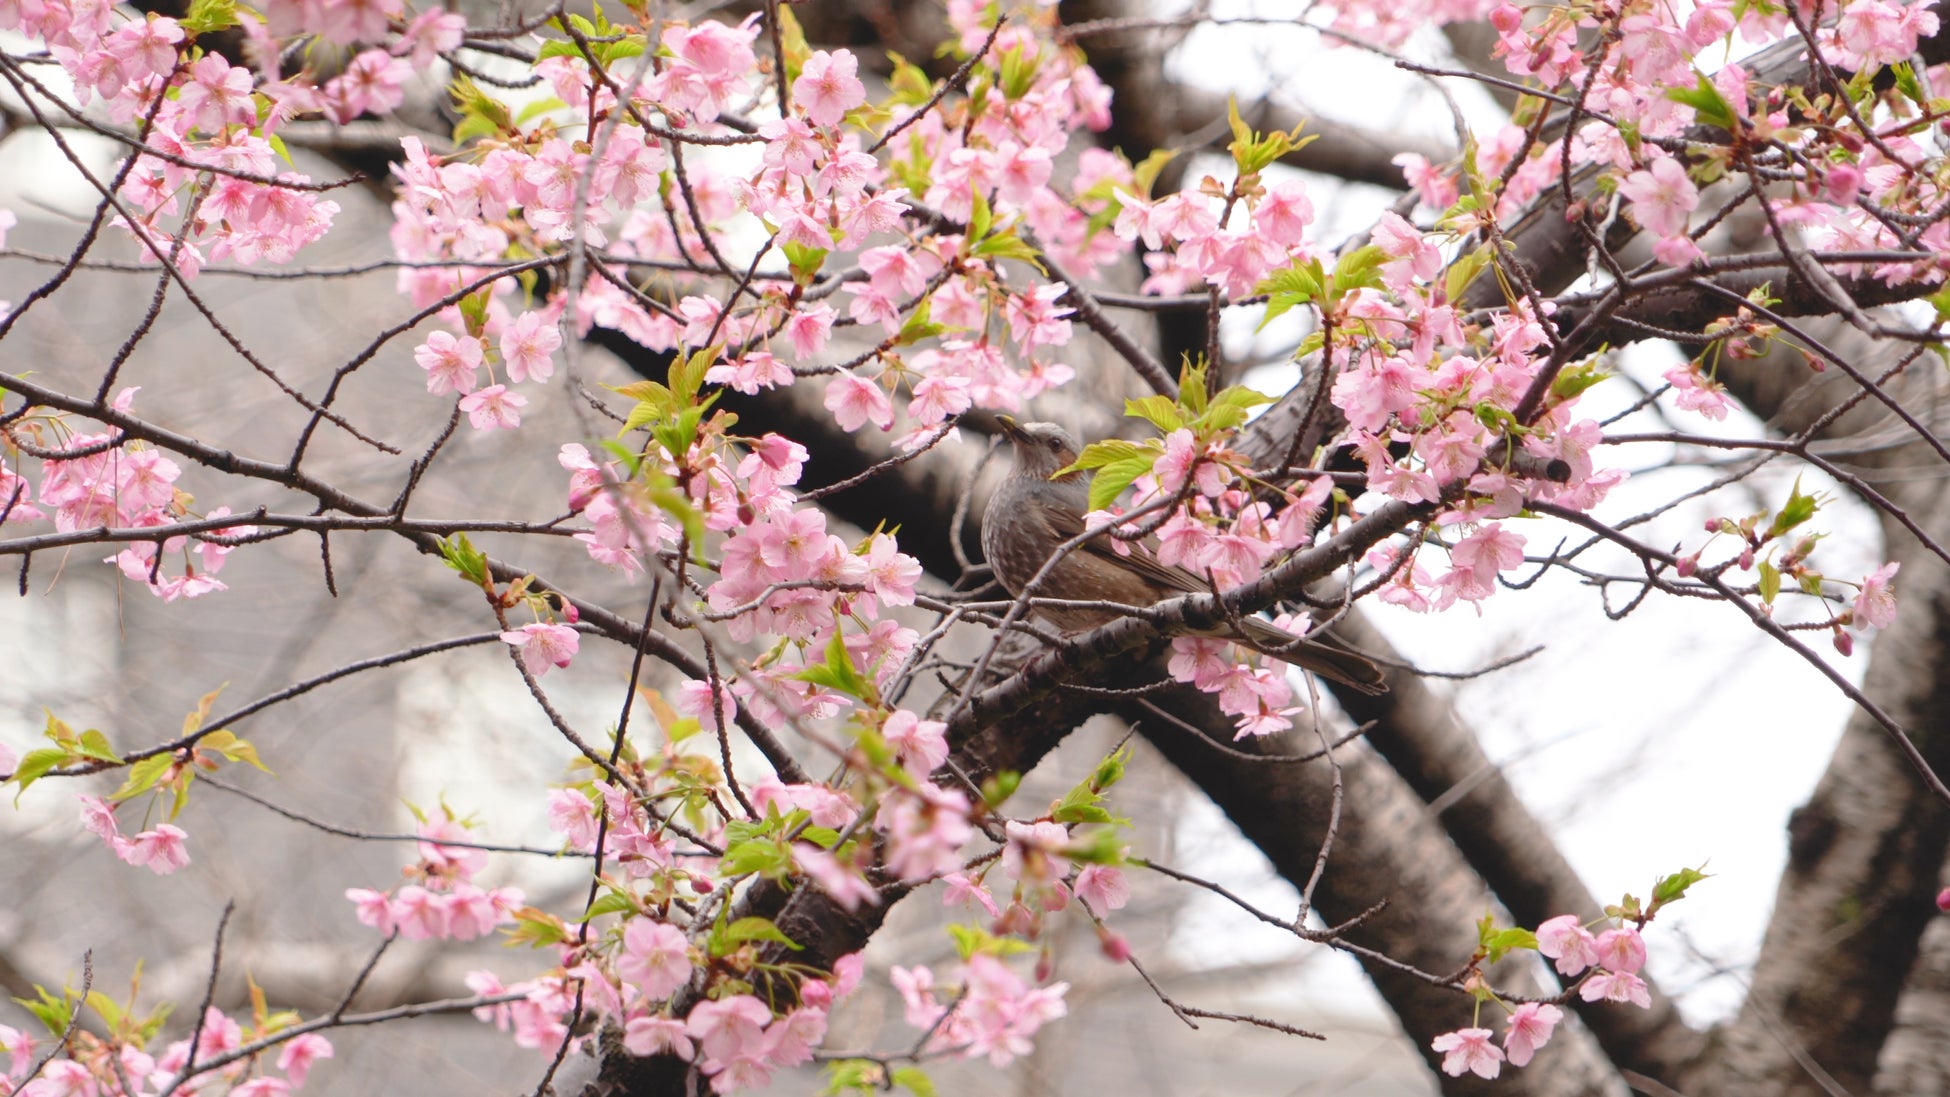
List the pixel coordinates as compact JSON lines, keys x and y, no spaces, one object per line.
{"x":1834,"y":162}
{"x":440,"y":900}
{"x":207,"y":186}
{"x":94,"y":1066}
{"x":679,"y":980}
{"x":160,"y":848}
{"x":1599,"y":967}
{"x":104,"y":480}
{"x":533,"y":187}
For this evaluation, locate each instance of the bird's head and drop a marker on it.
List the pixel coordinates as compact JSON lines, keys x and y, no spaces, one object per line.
{"x":1041,"y":448}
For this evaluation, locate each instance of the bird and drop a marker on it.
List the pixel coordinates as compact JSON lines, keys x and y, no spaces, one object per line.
{"x":1034,"y":511}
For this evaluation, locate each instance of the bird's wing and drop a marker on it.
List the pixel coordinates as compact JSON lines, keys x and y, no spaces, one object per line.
{"x":1141,"y":559}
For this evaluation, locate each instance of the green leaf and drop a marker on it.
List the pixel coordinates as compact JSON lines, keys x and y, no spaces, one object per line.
{"x":1906,"y":82}
{"x":1145,"y":174}
{"x":918,"y":326}
{"x":1228,"y":409}
{"x":863,"y":1075}
{"x":628,"y":46}
{"x":908,"y":83}
{"x":207,"y":16}
{"x":1574,"y":380}
{"x":1018,"y":71}
{"x":914,"y":1080}
{"x":997,"y":788}
{"x":1111,"y":769}
{"x":193,"y":720}
{"x":1108,"y":482}
{"x":538,"y":929}
{"x":1770,"y":582}
{"x":837,"y":672}
{"x":143,"y":776}
{"x":481,"y":115}
{"x":1007,"y":245}
{"x":233,"y":748}
{"x":757,"y":929}
{"x":106,"y":1008}
{"x":662,"y":492}
{"x":539,"y":107}
{"x":35,"y":764}
{"x":461,"y":555}
{"x":1709,"y":106}
{"x":1358,"y":269}
{"x":609,"y":902}
{"x":94,"y":744}
{"x":1099,"y":454}
{"x":1098,"y":847}
{"x":805,"y":261}
{"x":763,"y":856}
{"x":1079,"y":805}
{"x":1289,"y":286}
{"x":1673,"y":888}
{"x":1242,"y":134}
{"x":687,"y":374}
{"x":1159,"y":411}
{"x":1463,"y":271}
{"x":55,"y":1012}
{"x":1504,"y":941}
{"x":980,"y":218}
{"x":1798,"y":509}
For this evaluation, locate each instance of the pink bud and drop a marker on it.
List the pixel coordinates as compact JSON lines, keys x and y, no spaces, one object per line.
{"x":1943,"y":900}
{"x":1687,"y":565}
{"x":1746,"y":558}
{"x":1845,"y":644}
{"x":700,"y":885}
{"x":1117,"y":949}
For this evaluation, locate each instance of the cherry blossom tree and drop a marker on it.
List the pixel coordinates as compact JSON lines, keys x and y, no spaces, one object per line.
{"x":763,"y":280}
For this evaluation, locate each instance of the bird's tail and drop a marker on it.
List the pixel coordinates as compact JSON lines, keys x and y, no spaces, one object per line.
{"x":1323,"y":657}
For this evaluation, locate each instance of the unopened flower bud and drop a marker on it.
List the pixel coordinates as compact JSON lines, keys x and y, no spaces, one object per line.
{"x":1117,"y":949}
{"x":1943,"y":900}
{"x":1844,"y":642}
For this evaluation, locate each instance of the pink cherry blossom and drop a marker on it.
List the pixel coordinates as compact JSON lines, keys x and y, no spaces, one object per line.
{"x":828,"y":86}
{"x":300,"y":1053}
{"x":451,"y":362}
{"x":655,"y":957}
{"x":543,"y":646}
{"x":1530,"y":1028}
{"x":1103,"y":887}
{"x":527,"y":346}
{"x":920,"y":744}
{"x":1565,"y":940}
{"x":1616,"y":986}
{"x":1468,"y":1050}
{"x":1875,"y":602}
{"x":856,"y":401}
{"x":1661,"y":196}
{"x":161,"y":849}
{"x":1620,"y":949}
{"x":657,"y":1034}
{"x":494,"y":408}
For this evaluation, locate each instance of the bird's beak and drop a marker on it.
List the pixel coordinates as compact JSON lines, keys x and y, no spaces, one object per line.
{"x":1012,"y":428}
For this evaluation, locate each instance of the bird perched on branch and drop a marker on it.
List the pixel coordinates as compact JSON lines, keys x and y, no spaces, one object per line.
{"x":1030,"y":515}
